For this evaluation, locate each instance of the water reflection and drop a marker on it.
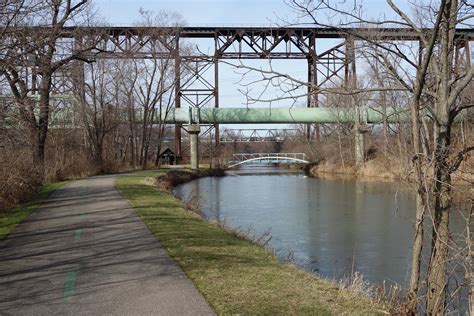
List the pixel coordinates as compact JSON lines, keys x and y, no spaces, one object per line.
{"x":334,"y":227}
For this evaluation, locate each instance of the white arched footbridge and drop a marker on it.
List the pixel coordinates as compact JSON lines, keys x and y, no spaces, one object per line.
{"x":240,"y":159}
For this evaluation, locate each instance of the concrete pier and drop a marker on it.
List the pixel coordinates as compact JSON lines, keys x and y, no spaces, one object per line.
{"x":193,"y":130}
{"x":359,"y":146}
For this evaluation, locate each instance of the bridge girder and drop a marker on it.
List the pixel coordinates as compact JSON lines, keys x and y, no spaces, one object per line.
{"x":257,"y":135}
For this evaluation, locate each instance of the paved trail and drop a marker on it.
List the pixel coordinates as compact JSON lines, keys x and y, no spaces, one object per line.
{"x":85,"y":251}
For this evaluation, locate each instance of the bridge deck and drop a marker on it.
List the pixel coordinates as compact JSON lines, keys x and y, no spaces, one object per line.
{"x":241,"y":158}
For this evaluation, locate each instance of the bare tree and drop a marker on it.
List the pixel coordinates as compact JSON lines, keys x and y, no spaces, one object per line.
{"x":127,"y":77}
{"x":155,"y":91}
{"x":36,"y":45}
{"x":436,"y":87}
{"x":99,"y":107}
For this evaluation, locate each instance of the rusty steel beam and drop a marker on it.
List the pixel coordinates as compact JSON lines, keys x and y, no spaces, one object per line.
{"x":177,"y":104}
{"x":216,"y":98}
{"x":135,"y":42}
{"x":210,"y":32}
{"x":131,"y":42}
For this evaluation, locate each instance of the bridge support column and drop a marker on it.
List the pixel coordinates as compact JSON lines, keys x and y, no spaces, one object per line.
{"x":193,"y":130}
{"x":359,"y":147}
{"x":360,"y":129}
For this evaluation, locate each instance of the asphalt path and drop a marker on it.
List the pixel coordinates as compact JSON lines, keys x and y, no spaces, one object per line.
{"x":85,"y":251}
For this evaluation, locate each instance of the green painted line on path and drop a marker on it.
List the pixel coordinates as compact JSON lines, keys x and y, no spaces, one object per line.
{"x":69,"y":285}
{"x":77,"y":234}
{"x":70,"y":282}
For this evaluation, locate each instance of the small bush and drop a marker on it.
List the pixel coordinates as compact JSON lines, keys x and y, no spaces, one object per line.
{"x":176,"y":177}
{"x":19,"y":179}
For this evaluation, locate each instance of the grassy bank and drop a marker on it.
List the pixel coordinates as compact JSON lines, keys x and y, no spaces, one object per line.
{"x":9,"y":219}
{"x":378,"y":170}
{"x":373,"y":169}
{"x":235,"y":275}
{"x":175,"y":177}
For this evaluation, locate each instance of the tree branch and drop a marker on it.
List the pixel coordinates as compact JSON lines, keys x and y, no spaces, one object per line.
{"x":459,"y":158}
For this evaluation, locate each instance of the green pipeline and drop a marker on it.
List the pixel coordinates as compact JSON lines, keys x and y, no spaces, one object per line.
{"x":283,"y":115}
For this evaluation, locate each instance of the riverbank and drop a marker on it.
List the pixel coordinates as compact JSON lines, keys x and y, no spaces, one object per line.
{"x":371,"y":170}
{"x":174,"y":177}
{"x":234,"y":274}
{"x":380,"y":170}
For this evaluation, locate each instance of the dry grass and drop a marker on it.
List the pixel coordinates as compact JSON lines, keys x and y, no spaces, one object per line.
{"x":175,"y":177}
{"x":19,"y":180}
{"x":11,"y":218}
{"x":390,"y":295}
{"x":378,"y":168}
{"x":235,"y":275}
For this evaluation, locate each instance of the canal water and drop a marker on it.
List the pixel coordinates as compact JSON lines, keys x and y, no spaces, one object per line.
{"x":331,"y":227}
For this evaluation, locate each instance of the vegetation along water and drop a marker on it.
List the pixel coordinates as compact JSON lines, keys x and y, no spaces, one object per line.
{"x":333,"y":227}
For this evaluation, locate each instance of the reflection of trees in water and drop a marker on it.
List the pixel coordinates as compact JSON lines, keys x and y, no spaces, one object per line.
{"x":333,"y":227}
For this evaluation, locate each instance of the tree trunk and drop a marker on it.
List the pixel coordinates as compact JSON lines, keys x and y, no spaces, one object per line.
{"x":34,"y":141}
{"x":131,"y":137}
{"x":420,"y":211}
{"x":416,"y":251}
{"x":145,"y":156}
{"x":437,"y":273}
{"x":470,"y":260}
{"x":143,"y":135}
{"x":161,"y":132}
{"x":43,"y":119}
{"x":98,"y":155}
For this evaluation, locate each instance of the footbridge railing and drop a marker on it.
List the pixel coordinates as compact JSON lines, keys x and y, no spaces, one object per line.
{"x":241,"y":158}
